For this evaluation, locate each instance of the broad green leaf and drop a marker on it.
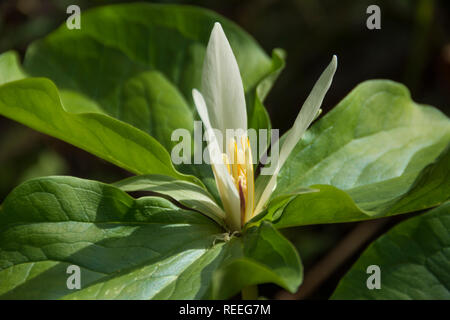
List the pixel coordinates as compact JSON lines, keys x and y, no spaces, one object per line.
{"x":374,"y":134}
{"x":375,"y":147}
{"x":331,"y":205}
{"x":126,"y":248}
{"x":128,"y":70}
{"x":430,"y":188}
{"x":414,"y":261}
{"x":140,"y":62}
{"x":328,"y":205}
{"x":36,"y":103}
{"x":169,"y":110}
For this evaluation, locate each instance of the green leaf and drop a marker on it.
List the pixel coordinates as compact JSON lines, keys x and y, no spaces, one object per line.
{"x":385,"y":153}
{"x":131,"y":70}
{"x":328,"y":205}
{"x":263,"y":254}
{"x":128,"y":70}
{"x":430,"y":188}
{"x":186,"y":193}
{"x":10,"y":69}
{"x":414,"y":261}
{"x":35,"y":102}
{"x":169,"y":110}
{"x":146,"y":248}
{"x":332,"y":205}
{"x":374,"y":134}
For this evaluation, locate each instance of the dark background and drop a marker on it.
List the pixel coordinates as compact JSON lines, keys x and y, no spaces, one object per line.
{"x":412,"y":47}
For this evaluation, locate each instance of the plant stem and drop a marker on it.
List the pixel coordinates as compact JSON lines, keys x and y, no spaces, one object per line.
{"x":250,"y":293}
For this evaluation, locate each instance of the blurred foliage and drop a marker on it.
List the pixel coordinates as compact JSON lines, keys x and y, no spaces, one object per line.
{"x":412,"y":47}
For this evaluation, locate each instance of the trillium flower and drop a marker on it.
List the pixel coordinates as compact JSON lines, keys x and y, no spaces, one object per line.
{"x":221,"y":106}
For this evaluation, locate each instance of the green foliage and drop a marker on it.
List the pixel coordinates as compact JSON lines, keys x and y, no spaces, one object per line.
{"x":36,"y":103}
{"x":414,"y":261}
{"x":10,"y":68}
{"x":139,"y":60}
{"x":126,"y":248}
{"x":117,"y":88}
{"x":376,"y":154}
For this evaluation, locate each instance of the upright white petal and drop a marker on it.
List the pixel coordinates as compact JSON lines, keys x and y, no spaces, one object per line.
{"x":306,"y":115}
{"x":228,"y":193}
{"x":222,"y":84}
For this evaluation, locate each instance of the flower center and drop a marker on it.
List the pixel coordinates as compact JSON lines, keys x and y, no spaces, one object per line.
{"x":240,"y":166}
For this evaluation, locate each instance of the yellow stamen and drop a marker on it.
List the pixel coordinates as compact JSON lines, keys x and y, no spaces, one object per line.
{"x":241,"y":170}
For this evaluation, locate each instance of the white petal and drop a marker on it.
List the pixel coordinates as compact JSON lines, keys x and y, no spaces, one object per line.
{"x":224,"y":182}
{"x":307,"y":114}
{"x":222,"y":84}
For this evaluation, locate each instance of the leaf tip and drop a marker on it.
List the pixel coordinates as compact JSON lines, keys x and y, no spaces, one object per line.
{"x":334,"y":61}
